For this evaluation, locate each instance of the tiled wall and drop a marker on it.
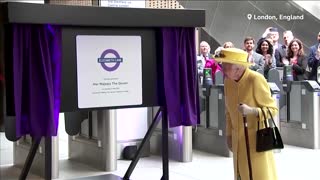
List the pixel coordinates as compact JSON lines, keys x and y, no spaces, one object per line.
{"x":72,"y":2}
{"x":163,"y":4}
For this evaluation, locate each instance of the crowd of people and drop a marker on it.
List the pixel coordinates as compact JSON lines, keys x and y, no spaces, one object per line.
{"x":268,"y":52}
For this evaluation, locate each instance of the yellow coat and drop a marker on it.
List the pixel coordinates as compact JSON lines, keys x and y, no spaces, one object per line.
{"x":252,"y":89}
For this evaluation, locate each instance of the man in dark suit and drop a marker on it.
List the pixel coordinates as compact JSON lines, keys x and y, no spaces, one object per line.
{"x":314,"y":59}
{"x":281,"y":52}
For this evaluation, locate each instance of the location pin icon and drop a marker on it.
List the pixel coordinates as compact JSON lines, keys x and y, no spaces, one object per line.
{"x":249,"y":16}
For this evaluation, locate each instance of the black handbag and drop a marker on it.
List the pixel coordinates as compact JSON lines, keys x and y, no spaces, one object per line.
{"x":269,"y":137}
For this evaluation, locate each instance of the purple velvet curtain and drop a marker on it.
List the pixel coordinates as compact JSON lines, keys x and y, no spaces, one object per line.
{"x":36,"y":75}
{"x":179,"y":76}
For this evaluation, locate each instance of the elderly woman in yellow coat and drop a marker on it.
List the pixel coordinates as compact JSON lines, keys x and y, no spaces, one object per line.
{"x":246,"y":94}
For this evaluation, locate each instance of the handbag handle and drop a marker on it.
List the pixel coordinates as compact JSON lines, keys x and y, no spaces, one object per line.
{"x":265,"y":119}
{"x":271,"y":117}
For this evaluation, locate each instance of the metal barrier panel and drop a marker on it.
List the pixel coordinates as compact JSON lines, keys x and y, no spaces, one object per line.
{"x":21,"y":150}
{"x":214,"y":111}
{"x":132,"y":126}
{"x":296,"y":94}
{"x":213,"y":139}
{"x":180,"y":141}
{"x":275,"y":93}
{"x":276,"y":118}
{"x":100,"y":150}
{"x":316,"y":115}
{"x":302,"y":129}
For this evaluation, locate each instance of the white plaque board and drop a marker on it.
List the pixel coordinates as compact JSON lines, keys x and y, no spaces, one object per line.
{"x":109,"y":70}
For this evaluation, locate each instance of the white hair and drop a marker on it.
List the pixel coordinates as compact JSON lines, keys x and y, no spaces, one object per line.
{"x":218,"y":50}
{"x":288,"y":32}
{"x":204,"y":42}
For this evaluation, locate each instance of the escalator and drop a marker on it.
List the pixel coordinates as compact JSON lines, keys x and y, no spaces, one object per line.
{"x":312,"y":7}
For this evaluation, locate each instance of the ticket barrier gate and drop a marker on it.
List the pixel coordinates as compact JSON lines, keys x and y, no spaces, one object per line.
{"x":275,"y":93}
{"x":98,"y":144}
{"x":209,"y":136}
{"x":21,"y":150}
{"x":301,"y":127}
{"x":93,"y":141}
{"x":260,"y":71}
{"x":318,"y":75}
{"x":299,"y":106}
{"x":179,"y":140}
{"x":281,"y":76}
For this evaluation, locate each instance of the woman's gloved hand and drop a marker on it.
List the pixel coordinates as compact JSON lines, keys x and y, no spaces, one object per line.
{"x":247,"y":110}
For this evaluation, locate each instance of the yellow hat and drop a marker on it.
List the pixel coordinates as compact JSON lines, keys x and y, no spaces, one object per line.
{"x":233,"y":56}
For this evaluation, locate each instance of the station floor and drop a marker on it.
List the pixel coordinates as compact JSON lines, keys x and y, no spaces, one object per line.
{"x":292,"y":163}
